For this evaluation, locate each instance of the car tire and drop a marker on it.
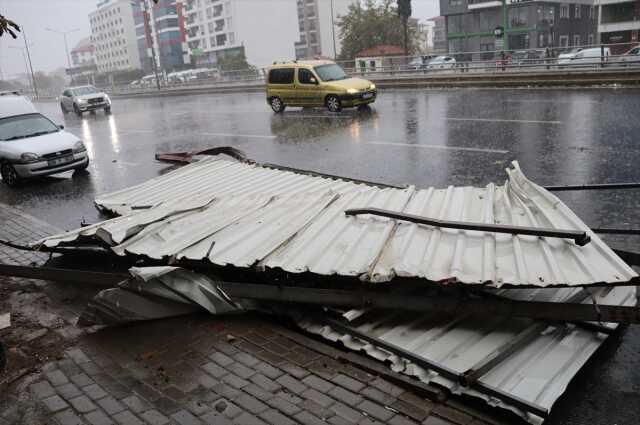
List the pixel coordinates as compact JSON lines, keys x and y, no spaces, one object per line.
{"x":107,"y":110}
{"x":77,"y":110}
{"x":9,"y":174}
{"x":277,"y":105}
{"x":333,"y":103}
{"x":64,"y":109}
{"x":81,"y":169}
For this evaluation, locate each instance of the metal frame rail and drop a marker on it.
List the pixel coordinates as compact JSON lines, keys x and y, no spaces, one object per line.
{"x":579,"y":237}
{"x":439,"y":368}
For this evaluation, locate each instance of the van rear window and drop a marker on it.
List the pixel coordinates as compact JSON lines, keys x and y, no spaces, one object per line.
{"x":281,"y":76}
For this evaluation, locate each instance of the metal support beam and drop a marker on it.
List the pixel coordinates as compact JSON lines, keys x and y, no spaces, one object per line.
{"x":554,"y":311}
{"x":579,"y":237}
{"x":614,"y":231}
{"x":438,"y":368}
{"x":63,"y":275}
{"x":605,"y":186}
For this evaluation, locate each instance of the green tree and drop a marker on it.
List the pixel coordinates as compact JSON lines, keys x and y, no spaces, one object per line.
{"x":372,"y":24}
{"x":404,"y":12}
{"x":233,"y":61}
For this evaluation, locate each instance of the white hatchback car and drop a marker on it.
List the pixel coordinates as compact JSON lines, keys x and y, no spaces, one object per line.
{"x":31,"y":145}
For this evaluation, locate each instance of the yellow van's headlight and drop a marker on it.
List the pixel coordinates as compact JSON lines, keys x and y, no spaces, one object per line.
{"x":352,"y":91}
{"x":372,"y":86}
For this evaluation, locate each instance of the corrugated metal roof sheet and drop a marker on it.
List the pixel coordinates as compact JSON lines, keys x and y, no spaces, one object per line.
{"x":538,"y":372}
{"x":246,"y":215}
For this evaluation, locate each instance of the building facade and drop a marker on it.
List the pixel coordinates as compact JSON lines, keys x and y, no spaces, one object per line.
{"x":160,"y":31}
{"x":470,"y":25}
{"x":113,"y":36}
{"x":83,"y":54}
{"x":440,"y":44}
{"x":318,"y":27}
{"x":619,"y":23}
{"x":264,"y":30}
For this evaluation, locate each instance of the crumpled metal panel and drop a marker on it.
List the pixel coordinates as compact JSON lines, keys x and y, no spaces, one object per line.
{"x":245,"y":215}
{"x":538,"y":372}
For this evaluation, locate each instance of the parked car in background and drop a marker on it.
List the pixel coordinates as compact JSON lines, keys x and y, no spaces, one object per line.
{"x":569,"y":53}
{"x":316,"y":83}
{"x":84,"y":98}
{"x":31,"y":145}
{"x":586,"y":58}
{"x":629,"y":58}
{"x":441,"y":62}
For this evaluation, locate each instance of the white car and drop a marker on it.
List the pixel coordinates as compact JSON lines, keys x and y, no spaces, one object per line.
{"x":84,"y":98}
{"x":591,"y":57}
{"x":568,"y":54}
{"x":630,"y":58}
{"x":441,"y":62}
{"x":31,"y":145}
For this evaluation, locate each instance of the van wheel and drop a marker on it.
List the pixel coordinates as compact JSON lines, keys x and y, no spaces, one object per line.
{"x":9,"y":174}
{"x":333,"y":103}
{"x":277,"y":105}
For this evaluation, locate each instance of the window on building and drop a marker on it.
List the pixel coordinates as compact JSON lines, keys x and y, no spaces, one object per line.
{"x":219,"y":25}
{"x":564,"y":41}
{"x":221,"y":39}
{"x":217,"y":10}
{"x":211,"y":28}
{"x":518,"y":17}
{"x":455,"y":3}
{"x":578,"y":11}
{"x":576,"y":40}
{"x":592,"y":13}
{"x":564,"y":11}
{"x":232,"y":38}
{"x":281,"y":76}
{"x":313,"y":38}
{"x":590,"y":40}
{"x":212,"y":41}
{"x":454,"y":24}
{"x":229,"y":21}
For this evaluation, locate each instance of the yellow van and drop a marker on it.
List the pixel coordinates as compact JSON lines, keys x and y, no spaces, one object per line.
{"x":316,"y":83}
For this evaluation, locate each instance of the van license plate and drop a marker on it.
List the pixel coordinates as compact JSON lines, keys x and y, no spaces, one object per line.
{"x":60,"y":161}
{"x":367,"y":95}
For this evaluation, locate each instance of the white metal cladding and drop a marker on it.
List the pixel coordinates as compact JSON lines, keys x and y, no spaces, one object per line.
{"x":538,"y":372}
{"x":232,"y":213}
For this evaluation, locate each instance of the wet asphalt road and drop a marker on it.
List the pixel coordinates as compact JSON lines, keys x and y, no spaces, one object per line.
{"x":421,"y":137}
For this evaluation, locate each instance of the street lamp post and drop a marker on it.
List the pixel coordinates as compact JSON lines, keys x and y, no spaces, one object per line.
{"x":333,"y":32}
{"x":145,"y":17}
{"x":26,"y":46}
{"x":26,"y":66}
{"x":66,"y":46}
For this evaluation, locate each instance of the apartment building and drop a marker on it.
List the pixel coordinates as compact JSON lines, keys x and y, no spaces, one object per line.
{"x":264,"y":30}
{"x":470,"y":24}
{"x":619,"y":22}
{"x":83,"y":54}
{"x":318,"y":27}
{"x":440,"y":44}
{"x":113,"y":36}
{"x":160,"y":31}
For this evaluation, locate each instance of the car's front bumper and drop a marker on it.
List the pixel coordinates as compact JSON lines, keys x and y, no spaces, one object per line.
{"x":42,"y":168}
{"x":357,"y":99}
{"x":93,"y":106}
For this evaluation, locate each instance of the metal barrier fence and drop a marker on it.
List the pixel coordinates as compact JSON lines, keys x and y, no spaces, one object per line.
{"x":593,"y":58}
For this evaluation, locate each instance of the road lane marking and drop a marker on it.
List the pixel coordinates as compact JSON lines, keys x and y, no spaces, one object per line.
{"x":449,"y":148}
{"x":503,"y":120}
{"x":259,"y":136}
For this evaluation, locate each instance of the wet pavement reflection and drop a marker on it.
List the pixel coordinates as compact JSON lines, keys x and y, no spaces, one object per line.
{"x":420,"y":137}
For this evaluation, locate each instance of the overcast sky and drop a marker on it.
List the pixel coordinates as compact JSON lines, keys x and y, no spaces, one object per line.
{"x":47,"y":50}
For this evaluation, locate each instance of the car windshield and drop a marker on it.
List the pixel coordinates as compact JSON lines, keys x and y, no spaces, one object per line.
{"x":23,"y":126}
{"x":331,"y":72}
{"x":79,"y":91}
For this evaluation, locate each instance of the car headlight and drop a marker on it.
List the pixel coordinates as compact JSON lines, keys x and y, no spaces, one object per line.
{"x":106,"y":97}
{"x":29,"y":157}
{"x":82,"y":100}
{"x":372,"y":86}
{"x":352,"y":91}
{"x":79,"y":147}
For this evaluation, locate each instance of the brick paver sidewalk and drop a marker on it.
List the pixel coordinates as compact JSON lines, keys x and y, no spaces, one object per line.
{"x":205,"y":370}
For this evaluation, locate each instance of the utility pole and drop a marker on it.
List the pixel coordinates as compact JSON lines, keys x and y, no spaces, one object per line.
{"x":26,"y":46}
{"x":333,"y":32}
{"x":145,"y":16}
{"x":66,"y":46}
{"x":504,"y":26}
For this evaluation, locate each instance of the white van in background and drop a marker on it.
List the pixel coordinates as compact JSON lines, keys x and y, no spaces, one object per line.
{"x":593,"y":56}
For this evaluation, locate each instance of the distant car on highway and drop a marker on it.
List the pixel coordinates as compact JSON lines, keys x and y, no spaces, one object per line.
{"x":569,"y":53}
{"x":84,"y":98}
{"x":629,"y":58}
{"x":31,"y":145}
{"x":441,"y":62}
{"x":586,"y":57}
{"x":316,"y":83}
